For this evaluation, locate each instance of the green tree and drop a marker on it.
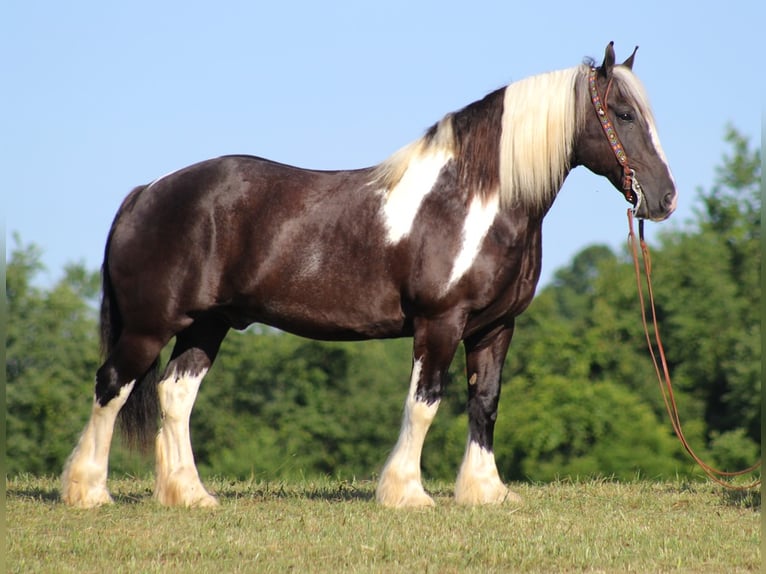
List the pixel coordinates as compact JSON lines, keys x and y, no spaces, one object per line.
{"x":711,"y":302}
{"x":51,"y":358}
{"x":706,"y":277}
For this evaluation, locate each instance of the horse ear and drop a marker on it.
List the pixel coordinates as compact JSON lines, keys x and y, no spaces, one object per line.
{"x":606,"y":67}
{"x":629,"y":62}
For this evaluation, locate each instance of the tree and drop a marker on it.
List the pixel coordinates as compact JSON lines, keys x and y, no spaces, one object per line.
{"x":712,"y":302}
{"x":51,"y":358}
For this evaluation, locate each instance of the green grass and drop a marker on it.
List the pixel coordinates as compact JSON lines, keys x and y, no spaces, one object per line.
{"x":335,"y":526}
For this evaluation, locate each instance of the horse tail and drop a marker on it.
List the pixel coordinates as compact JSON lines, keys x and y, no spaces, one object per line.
{"x":138,"y":416}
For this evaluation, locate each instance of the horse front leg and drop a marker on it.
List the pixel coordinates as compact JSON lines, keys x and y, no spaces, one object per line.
{"x":400,"y":483}
{"x":478,"y":481}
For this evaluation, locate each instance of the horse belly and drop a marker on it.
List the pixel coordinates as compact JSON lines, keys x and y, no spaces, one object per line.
{"x":331,"y":308}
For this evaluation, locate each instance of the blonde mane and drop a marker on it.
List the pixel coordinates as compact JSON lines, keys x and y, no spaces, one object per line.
{"x":438,"y":139}
{"x":521,"y":144}
{"x":539,"y":126}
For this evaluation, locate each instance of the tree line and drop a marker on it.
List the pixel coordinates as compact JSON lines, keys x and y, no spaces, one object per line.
{"x":579,"y":398}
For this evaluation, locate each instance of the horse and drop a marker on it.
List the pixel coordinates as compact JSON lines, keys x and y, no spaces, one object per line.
{"x":441,"y":242}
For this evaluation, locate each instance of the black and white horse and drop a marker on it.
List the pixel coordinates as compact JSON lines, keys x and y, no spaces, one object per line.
{"x":441,"y":242}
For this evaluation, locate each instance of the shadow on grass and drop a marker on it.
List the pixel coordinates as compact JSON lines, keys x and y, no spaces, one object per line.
{"x":49,"y":495}
{"x":750,"y":499}
{"x":37,"y":494}
{"x":332,"y":491}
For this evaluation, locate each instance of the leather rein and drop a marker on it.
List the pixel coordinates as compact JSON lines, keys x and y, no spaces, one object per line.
{"x":633,"y":193}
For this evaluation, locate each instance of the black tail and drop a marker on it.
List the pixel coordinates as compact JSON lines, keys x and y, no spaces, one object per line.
{"x":138,"y":418}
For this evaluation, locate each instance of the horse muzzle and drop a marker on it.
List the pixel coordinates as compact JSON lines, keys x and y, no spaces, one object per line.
{"x":655,"y":210}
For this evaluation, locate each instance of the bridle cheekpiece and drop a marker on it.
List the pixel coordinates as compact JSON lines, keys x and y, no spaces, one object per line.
{"x":631,"y":189}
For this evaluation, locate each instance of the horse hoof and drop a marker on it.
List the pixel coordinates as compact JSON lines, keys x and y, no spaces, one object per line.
{"x":76,"y":497}
{"x":496,"y":495}
{"x":183,"y":488}
{"x":208,"y":501}
{"x":408,"y":494}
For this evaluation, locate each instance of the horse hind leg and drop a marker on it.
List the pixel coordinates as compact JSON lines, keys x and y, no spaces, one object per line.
{"x":83,"y":482}
{"x":177,"y":480}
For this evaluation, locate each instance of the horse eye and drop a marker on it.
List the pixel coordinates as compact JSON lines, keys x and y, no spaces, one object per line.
{"x":626,"y":116}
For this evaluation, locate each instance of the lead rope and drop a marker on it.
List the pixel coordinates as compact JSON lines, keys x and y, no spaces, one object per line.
{"x":663,"y":377}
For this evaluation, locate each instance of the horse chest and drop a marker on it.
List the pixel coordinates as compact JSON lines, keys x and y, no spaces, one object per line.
{"x":488,"y":270}
{"x":503,"y":278}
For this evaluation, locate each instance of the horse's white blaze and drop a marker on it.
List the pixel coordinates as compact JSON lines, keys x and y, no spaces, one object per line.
{"x":178,"y":482}
{"x":400,"y":484}
{"x":638,"y":93}
{"x":478,"y":481}
{"x":658,"y":148}
{"x":402,"y":202}
{"x":481,"y":215}
{"x":84,"y":477}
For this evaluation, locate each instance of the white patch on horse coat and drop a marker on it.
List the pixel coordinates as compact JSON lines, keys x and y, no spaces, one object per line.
{"x":178,"y":482}
{"x":481,"y":215}
{"x":402,"y":202}
{"x":478,"y":481}
{"x":84,"y":477}
{"x":400,"y":484}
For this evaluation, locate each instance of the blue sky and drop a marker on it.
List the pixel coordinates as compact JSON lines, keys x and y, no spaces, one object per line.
{"x":99,"y":97}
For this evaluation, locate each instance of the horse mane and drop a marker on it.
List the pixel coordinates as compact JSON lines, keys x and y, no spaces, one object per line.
{"x":516,"y":142}
{"x":538,"y":131}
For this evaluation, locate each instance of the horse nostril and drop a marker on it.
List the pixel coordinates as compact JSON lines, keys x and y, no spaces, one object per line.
{"x":669,"y":201}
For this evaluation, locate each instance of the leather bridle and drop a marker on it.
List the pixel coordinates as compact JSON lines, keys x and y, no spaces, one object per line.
{"x":631,"y":189}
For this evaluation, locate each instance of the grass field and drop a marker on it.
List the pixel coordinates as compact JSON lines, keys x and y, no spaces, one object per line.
{"x":335,"y":526}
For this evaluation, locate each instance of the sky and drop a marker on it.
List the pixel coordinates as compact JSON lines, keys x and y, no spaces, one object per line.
{"x":99,"y":97}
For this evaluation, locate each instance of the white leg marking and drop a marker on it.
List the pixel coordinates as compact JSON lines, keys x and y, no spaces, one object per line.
{"x":400,"y":484}
{"x":478,"y":481}
{"x":479,"y":219}
{"x":83,"y":483}
{"x":401,"y":203}
{"x":178,"y":482}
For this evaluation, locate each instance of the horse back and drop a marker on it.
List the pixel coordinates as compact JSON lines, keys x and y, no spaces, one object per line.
{"x":255,"y":240}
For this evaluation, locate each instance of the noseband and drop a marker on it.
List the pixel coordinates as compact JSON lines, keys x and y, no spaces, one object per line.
{"x":631,"y":189}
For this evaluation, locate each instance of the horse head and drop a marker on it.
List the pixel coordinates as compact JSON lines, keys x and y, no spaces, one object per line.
{"x":618,"y":138}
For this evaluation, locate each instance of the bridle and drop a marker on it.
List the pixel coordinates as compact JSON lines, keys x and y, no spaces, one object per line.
{"x":631,"y":189}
